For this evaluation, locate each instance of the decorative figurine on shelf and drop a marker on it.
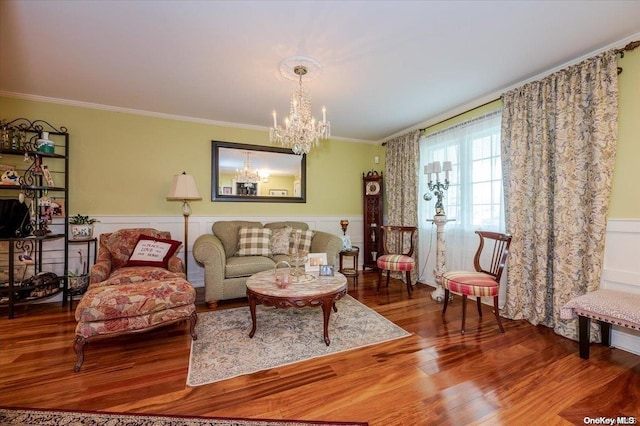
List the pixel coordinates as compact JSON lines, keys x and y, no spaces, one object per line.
{"x":4,"y":136}
{"x":43,"y":226}
{"x":44,"y":144}
{"x":36,"y":169}
{"x":10,"y":177}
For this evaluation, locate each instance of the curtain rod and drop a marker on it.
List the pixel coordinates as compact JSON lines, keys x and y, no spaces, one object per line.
{"x":628,"y":48}
{"x":458,"y":115}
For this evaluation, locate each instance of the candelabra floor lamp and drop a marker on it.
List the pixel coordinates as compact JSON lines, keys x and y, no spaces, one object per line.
{"x":183,"y":188}
{"x":437,"y":188}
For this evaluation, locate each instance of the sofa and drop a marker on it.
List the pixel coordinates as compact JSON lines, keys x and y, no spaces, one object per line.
{"x":237,"y":249}
{"x":136,"y":284}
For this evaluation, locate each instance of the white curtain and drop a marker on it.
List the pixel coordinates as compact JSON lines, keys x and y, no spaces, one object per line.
{"x":474,"y":199}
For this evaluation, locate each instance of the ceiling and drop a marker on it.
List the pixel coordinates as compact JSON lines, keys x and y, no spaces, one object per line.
{"x":387,"y":66}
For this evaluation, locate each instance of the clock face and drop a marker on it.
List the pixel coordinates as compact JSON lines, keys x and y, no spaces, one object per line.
{"x":373,"y":188}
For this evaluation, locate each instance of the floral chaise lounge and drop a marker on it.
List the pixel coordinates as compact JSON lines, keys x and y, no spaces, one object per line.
{"x":136,"y":284}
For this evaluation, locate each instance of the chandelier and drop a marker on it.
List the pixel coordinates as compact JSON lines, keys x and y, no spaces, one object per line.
{"x":301,"y":131}
{"x":247,"y":174}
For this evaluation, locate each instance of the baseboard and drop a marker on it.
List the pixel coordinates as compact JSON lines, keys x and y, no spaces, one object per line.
{"x":625,"y":339}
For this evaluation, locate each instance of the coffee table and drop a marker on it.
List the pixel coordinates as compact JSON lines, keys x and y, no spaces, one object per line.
{"x":310,"y":290}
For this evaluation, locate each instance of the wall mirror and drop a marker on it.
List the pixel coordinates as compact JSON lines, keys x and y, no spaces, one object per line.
{"x":243,"y":172}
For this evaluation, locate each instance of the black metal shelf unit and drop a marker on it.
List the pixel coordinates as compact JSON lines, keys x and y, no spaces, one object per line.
{"x":34,"y":176}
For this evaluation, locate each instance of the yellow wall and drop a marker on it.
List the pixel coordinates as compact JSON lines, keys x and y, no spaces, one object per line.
{"x":625,"y":195}
{"x":122,"y":164}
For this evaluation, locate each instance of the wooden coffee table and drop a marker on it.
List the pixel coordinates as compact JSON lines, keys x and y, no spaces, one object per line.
{"x":312,"y":290}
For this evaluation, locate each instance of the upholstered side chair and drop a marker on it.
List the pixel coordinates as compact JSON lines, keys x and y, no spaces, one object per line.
{"x":398,"y":246}
{"x":489,"y":262}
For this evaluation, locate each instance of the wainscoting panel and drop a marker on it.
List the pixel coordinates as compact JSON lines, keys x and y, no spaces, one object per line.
{"x":622,"y":272}
{"x":621,"y":264}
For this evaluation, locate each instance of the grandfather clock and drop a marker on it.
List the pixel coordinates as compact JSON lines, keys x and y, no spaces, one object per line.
{"x":372,"y":210}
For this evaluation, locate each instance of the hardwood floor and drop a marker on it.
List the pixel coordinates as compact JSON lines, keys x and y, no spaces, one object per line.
{"x":527,"y":375}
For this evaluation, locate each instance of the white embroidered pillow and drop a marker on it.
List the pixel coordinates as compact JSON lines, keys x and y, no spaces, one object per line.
{"x":150,"y":251}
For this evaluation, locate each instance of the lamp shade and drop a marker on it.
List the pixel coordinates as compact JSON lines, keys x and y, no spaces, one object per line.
{"x":183,"y":187}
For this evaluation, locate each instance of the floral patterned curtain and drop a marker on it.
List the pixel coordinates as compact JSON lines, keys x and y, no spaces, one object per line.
{"x":401,"y":183}
{"x":559,"y":140}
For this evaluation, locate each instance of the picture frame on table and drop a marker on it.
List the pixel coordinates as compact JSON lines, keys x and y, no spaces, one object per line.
{"x":326,"y":270}
{"x":226,"y":190}
{"x":314,"y":260}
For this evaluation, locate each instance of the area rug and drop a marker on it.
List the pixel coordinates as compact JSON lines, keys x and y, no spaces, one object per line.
{"x":36,"y":417}
{"x":283,"y":336}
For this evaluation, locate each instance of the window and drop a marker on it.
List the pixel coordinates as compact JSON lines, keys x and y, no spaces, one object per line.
{"x":474,"y":199}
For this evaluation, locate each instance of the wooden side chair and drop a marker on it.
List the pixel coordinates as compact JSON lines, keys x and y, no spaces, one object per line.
{"x":397,"y":245}
{"x":484,"y":281}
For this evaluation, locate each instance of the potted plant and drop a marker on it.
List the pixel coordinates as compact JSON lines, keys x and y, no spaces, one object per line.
{"x":81,"y":227}
{"x":79,"y":281}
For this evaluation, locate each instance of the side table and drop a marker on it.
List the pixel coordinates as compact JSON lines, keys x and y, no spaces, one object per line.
{"x":82,"y":280}
{"x":350,"y":272}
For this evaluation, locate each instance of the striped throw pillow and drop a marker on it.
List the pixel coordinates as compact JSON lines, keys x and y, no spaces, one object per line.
{"x":302,"y":238}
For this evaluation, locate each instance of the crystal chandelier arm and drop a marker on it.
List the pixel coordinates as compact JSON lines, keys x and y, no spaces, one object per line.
{"x":301,"y":130}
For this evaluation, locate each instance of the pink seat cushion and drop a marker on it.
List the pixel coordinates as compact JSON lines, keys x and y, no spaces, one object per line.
{"x":612,"y":306}
{"x":470,"y":283}
{"x":132,"y":300}
{"x":136,"y":274}
{"x":395,"y":262}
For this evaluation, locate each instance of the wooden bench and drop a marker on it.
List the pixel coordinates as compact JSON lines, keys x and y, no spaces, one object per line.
{"x":605,"y":306}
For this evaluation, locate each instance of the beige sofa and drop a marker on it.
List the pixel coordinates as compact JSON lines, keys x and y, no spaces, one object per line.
{"x":226,"y":272}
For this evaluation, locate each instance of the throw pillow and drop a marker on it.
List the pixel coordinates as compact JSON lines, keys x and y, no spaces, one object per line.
{"x":280,"y":240}
{"x":304,"y":243}
{"x":150,"y":251}
{"x":254,"y":242}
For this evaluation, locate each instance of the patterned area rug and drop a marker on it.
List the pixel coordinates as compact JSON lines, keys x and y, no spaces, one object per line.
{"x":32,"y":417}
{"x":283,"y":336}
